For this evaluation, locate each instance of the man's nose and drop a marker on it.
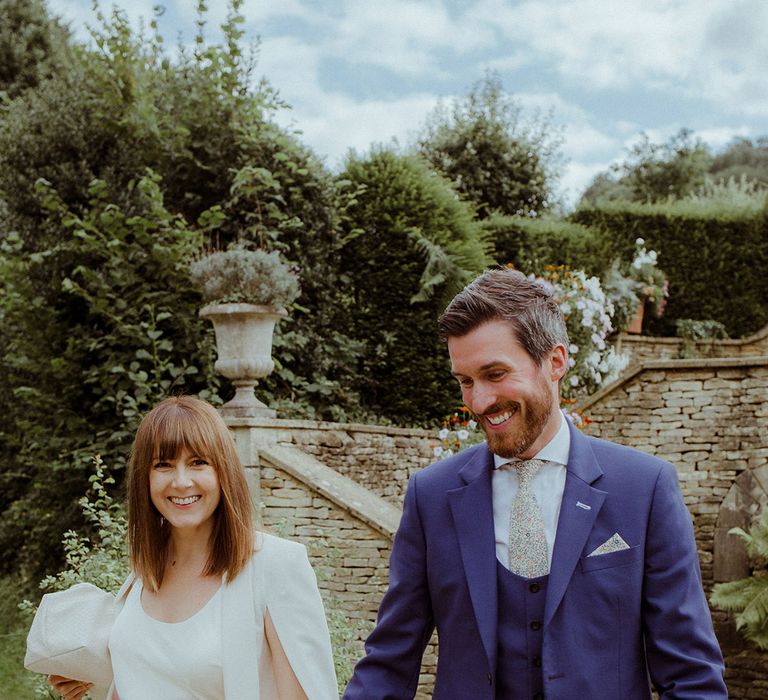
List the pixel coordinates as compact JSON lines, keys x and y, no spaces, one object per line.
{"x":483,"y":397}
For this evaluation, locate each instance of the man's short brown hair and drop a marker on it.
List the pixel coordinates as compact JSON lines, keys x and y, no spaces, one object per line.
{"x":503,"y":294}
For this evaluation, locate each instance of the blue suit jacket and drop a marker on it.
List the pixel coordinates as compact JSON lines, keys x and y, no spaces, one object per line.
{"x":610,"y":620}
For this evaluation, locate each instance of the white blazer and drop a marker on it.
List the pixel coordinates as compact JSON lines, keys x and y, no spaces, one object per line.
{"x":279,"y":578}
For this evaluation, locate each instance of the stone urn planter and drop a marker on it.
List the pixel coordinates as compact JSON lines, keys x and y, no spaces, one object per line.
{"x":244,"y":346}
{"x":246,"y":293}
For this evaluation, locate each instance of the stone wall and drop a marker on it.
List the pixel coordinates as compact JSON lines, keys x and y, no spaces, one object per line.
{"x":708,"y":417}
{"x":642,"y":347}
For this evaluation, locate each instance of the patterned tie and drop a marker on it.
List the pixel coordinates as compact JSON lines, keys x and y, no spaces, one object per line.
{"x":527,"y":541}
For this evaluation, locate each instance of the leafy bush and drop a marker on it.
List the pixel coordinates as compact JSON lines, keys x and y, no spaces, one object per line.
{"x":250,"y":276}
{"x":411,"y":244}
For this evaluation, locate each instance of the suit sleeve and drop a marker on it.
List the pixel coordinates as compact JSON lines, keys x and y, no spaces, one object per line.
{"x":297,"y":612}
{"x":684,"y":658}
{"x":390,"y":668}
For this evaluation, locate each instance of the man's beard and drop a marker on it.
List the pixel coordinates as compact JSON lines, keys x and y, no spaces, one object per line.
{"x":517,"y":440}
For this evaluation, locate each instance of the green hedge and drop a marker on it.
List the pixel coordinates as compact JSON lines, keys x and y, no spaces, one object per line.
{"x":715,"y":263}
{"x":532,"y":244}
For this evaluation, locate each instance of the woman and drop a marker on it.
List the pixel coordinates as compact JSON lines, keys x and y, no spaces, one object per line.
{"x":211,"y":610}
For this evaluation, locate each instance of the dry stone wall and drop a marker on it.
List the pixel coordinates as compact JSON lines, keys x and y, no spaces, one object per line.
{"x":642,"y":348}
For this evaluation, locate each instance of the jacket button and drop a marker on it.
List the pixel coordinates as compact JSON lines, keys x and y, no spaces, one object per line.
{"x":537,"y":661}
{"x":534,"y":588}
{"x":536,"y":625}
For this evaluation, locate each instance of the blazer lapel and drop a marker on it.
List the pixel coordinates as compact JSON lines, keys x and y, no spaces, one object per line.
{"x":471,"y":507}
{"x":580,"y":505}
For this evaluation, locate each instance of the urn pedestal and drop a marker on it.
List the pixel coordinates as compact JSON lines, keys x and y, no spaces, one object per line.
{"x":244,"y":346}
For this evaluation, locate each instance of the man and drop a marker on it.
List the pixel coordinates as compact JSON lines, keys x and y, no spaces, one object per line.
{"x":552,"y":564}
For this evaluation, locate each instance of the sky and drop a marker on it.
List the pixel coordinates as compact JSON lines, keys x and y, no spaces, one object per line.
{"x":364,"y":72}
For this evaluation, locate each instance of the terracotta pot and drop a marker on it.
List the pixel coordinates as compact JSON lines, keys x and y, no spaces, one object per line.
{"x":244,"y":347}
{"x":636,"y":324}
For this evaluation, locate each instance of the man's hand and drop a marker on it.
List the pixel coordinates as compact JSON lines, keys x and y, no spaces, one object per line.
{"x":68,"y":688}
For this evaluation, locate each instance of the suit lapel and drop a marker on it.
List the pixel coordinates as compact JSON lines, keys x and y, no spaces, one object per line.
{"x":578,"y":510}
{"x":472,"y":510}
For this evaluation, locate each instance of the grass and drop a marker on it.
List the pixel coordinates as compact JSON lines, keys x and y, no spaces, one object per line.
{"x":15,"y":681}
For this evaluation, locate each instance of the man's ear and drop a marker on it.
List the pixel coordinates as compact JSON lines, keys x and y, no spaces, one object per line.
{"x":558,"y":362}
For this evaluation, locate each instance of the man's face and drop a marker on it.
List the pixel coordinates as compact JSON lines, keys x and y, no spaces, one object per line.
{"x":514,"y":400}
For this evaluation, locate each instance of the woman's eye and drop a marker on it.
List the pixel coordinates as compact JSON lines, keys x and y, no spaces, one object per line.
{"x":199,"y":462}
{"x":161,"y":465}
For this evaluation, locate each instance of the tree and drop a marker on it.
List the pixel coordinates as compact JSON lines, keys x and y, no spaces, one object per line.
{"x":653,"y":172}
{"x":743,"y":158}
{"x":32,"y":45}
{"x":113,"y":175}
{"x":497,"y":159}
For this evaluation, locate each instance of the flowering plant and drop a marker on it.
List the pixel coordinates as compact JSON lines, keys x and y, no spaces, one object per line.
{"x":588,"y":316}
{"x":456,"y":432}
{"x":652,"y":283}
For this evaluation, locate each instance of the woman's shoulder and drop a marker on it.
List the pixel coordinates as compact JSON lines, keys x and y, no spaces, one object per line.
{"x":268,"y":546}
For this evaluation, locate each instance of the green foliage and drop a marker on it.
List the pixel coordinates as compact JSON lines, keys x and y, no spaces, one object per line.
{"x":749,"y":596}
{"x":742,"y":159}
{"x":532,"y":244}
{"x":714,"y":263}
{"x":101,"y":167}
{"x":250,"y":276}
{"x":411,"y":244}
{"x":654,"y":172}
{"x":14,"y":625}
{"x":98,"y":327}
{"x":500,"y":161}
{"x":694,"y":332}
{"x":32,"y":45}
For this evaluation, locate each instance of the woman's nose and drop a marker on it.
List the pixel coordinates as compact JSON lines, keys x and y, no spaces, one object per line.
{"x":181,"y":478}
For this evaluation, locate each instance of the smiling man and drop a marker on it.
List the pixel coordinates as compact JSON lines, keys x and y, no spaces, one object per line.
{"x":552,"y":564}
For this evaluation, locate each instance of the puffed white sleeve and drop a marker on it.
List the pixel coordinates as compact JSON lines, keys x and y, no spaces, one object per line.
{"x":297,"y":612}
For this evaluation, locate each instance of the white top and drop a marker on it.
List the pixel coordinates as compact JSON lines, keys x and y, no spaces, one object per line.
{"x":155,"y":660}
{"x":547,"y":484}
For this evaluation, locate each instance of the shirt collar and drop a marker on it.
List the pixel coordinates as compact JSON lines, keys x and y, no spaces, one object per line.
{"x":556,"y":450}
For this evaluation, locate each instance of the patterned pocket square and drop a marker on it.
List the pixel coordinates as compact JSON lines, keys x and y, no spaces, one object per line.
{"x":613,"y":544}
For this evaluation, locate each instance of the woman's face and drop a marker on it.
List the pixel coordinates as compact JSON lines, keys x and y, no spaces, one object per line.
{"x":185,"y":490}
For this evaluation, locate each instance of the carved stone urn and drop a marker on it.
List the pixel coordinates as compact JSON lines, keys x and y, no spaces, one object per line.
{"x":244,"y":346}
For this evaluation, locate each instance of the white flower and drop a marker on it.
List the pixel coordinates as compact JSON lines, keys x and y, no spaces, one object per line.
{"x":573,"y":348}
{"x":472,"y":424}
{"x":571,"y":363}
{"x":447,"y":453}
{"x":574,"y":380}
{"x":462,"y":434}
{"x":443,"y":433}
{"x":640,"y":241}
{"x":598,"y":341}
{"x":437,"y":451}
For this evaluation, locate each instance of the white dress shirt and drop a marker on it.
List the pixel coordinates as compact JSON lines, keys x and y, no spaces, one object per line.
{"x":547,"y":484}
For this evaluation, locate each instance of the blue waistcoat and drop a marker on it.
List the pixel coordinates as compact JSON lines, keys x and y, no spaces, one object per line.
{"x":521,"y":617}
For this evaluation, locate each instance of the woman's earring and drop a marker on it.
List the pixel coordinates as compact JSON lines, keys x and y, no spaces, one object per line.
{"x":162,"y":521}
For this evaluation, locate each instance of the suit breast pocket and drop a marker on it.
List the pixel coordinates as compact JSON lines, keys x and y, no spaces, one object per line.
{"x":623,"y":557}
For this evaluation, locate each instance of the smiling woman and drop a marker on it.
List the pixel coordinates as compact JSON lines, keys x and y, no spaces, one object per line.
{"x":211,"y":609}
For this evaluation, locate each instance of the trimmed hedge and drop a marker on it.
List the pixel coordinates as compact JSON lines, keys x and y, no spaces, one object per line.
{"x":715,"y":263}
{"x":532,"y":244}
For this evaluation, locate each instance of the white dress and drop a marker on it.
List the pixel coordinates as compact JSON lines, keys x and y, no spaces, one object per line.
{"x":154,"y":660}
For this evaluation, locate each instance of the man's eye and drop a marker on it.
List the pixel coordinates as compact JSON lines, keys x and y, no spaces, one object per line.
{"x":465,"y":382}
{"x":495,"y":376}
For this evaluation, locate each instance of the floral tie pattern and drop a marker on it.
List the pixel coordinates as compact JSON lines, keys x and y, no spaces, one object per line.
{"x":528,"y":555}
